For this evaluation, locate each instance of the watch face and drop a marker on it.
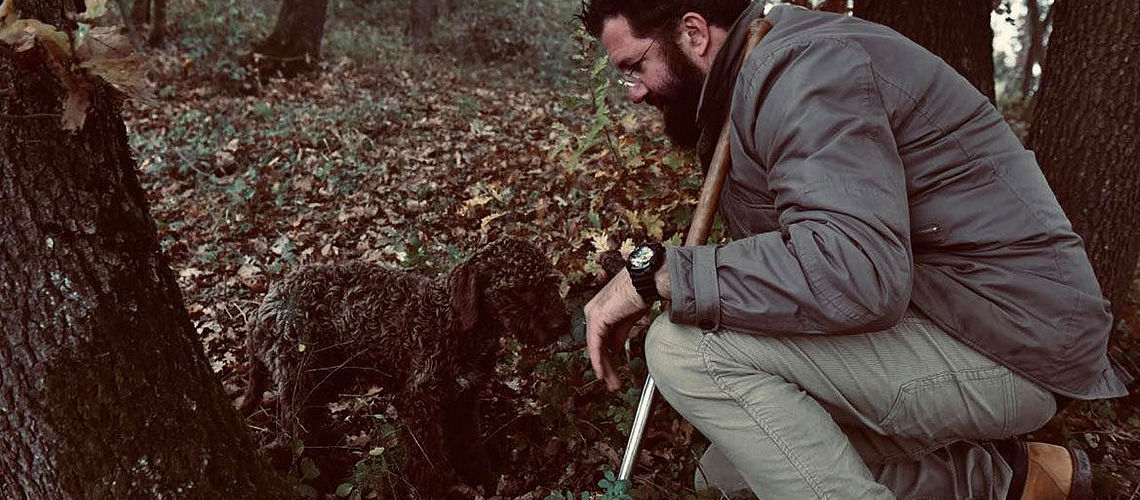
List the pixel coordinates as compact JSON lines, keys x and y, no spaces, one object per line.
{"x":641,"y":257}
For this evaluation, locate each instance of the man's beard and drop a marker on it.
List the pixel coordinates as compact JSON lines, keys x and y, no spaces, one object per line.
{"x":678,"y":103}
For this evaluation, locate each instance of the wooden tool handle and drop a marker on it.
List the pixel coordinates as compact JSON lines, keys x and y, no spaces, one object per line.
{"x":701,"y":225}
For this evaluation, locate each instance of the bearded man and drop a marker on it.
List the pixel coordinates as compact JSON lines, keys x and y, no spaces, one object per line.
{"x":903,"y":296}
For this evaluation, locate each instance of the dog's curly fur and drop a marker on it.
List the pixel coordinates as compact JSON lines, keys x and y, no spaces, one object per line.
{"x":432,"y":341}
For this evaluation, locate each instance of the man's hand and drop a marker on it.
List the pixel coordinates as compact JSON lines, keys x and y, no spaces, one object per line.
{"x":609,"y":317}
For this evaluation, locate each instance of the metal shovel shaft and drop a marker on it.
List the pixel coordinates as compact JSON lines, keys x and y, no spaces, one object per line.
{"x":699,"y":230}
{"x":638,"y":429}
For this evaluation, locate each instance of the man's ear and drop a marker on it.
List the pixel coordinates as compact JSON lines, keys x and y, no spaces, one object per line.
{"x":464,"y":290}
{"x":694,"y":36}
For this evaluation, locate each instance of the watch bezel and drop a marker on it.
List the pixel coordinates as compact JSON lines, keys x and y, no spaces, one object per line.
{"x":642,"y":257}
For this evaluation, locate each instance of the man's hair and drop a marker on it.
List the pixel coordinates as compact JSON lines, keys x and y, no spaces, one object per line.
{"x":656,"y":17}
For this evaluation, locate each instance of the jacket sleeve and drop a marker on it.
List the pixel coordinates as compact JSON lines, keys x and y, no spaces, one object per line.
{"x":840,"y":261}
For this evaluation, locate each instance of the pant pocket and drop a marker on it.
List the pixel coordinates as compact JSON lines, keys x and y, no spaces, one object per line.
{"x":949,"y":406}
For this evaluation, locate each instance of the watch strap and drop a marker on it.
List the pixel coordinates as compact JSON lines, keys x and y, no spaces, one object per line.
{"x":645,"y":279}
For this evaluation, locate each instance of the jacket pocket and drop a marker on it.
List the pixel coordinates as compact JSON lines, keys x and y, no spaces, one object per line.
{"x":949,"y":406}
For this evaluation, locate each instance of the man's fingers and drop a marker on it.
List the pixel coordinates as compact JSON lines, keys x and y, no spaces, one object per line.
{"x":620,"y":332}
{"x":594,"y":341}
{"x":597,"y":343}
{"x":608,"y":374}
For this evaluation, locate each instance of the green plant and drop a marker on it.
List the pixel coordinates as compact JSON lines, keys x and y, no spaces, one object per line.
{"x":612,"y":489}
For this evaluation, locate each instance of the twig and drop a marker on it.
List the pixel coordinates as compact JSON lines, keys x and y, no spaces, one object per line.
{"x":33,"y":115}
{"x":244,"y":319}
{"x":1137,"y":490}
{"x":418,"y":445}
{"x":332,"y":371}
{"x":509,"y":422}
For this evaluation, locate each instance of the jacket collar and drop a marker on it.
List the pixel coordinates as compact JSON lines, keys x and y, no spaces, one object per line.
{"x":716,"y":94}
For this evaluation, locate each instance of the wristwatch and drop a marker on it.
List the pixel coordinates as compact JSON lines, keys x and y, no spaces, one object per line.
{"x":643,"y":263}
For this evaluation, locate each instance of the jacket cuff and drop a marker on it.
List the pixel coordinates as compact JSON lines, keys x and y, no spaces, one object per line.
{"x":694,"y":285}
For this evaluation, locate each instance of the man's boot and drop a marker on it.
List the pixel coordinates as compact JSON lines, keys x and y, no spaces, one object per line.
{"x":1056,"y":473}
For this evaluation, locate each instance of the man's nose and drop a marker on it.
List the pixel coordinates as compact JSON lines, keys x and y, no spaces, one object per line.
{"x":638,"y":92}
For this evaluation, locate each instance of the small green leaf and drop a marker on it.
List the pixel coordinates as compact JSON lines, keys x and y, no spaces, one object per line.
{"x":344,"y":489}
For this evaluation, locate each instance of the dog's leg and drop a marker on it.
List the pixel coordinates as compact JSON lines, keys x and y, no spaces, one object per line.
{"x":254,"y":387}
{"x":429,"y":466}
{"x":463,"y":433}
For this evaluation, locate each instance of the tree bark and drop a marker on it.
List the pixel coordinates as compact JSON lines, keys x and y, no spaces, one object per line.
{"x":295,"y":44}
{"x":958,"y":31}
{"x":106,"y":392}
{"x":1086,"y":131}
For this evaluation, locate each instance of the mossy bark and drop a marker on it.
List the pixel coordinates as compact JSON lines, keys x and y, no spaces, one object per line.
{"x":1086,"y":131}
{"x":958,"y":31}
{"x":105,"y":389}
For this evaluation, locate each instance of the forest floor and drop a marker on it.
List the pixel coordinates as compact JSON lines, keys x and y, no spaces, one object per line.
{"x":415,"y":166}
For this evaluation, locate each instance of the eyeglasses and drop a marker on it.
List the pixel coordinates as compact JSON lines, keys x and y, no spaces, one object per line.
{"x":632,"y":76}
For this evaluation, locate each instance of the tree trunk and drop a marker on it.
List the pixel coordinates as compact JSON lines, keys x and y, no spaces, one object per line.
{"x":295,"y":44}
{"x":140,"y":12}
{"x":1033,"y":41}
{"x":106,"y":392}
{"x":420,"y":22}
{"x":158,"y":27}
{"x":1086,"y":131}
{"x":957,"y":30}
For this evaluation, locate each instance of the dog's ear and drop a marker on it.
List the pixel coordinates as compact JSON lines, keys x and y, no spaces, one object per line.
{"x":464,"y":290}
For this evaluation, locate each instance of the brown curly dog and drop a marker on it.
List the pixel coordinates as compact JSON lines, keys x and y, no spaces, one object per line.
{"x":431,"y":341}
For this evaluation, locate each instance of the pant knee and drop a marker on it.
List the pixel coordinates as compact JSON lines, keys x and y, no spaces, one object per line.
{"x":672,"y":353}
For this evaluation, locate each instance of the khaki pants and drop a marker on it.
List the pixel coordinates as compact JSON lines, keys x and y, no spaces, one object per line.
{"x":907,"y":412}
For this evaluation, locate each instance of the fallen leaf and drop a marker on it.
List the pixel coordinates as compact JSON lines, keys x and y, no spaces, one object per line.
{"x":95,"y":9}
{"x":248,"y":270}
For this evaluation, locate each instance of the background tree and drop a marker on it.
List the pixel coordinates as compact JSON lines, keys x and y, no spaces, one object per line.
{"x":421,"y":20}
{"x":295,"y":44}
{"x":957,"y":30}
{"x":152,"y":12}
{"x":106,"y":392}
{"x":1033,"y":43}
{"x":1086,"y":131}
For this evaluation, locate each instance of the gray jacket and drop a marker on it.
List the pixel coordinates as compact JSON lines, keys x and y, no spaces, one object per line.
{"x":868,"y":176}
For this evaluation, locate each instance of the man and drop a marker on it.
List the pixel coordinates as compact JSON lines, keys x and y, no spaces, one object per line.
{"x":903,"y":295}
